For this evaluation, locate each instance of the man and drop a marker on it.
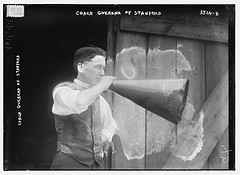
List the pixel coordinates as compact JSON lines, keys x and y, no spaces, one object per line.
{"x":83,"y":118}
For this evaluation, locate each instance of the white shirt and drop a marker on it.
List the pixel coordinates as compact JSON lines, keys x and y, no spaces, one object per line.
{"x":65,"y":104}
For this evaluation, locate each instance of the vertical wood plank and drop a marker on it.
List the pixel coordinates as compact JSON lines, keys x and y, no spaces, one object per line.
{"x":130,"y":140}
{"x":193,"y":51}
{"x":107,"y":94}
{"x":190,"y":65}
{"x":110,"y":61}
{"x":216,"y":65}
{"x":161,"y":64}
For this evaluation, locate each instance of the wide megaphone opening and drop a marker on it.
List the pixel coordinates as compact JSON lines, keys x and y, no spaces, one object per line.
{"x":166,"y":98}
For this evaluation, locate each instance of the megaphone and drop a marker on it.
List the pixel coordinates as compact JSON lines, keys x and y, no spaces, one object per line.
{"x":166,"y":98}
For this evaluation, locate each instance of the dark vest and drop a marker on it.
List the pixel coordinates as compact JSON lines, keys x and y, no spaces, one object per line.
{"x":79,"y":135}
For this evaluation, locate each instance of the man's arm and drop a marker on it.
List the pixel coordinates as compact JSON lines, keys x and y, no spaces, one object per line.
{"x":68,"y":101}
{"x":88,"y":96}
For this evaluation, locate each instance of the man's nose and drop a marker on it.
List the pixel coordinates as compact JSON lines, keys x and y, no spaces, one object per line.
{"x":102,"y":72}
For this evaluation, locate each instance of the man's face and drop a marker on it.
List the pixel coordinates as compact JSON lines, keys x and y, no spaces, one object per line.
{"x":94,"y":70}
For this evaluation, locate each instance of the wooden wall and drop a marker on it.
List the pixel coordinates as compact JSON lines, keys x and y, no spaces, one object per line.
{"x":216,"y":65}
{"x":143,"y":140}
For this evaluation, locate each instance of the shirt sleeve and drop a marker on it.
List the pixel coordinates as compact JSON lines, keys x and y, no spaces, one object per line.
{"x":64,"y":101}
{"x":109,"y":124}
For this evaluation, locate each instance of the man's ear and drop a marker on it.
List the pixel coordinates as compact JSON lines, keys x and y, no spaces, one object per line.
{"x":80,"y":67}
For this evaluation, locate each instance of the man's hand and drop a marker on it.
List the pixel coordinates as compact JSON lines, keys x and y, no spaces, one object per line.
{"x":106,"y":81}
{"x":104,"y":139}
{"x":88,"y":96}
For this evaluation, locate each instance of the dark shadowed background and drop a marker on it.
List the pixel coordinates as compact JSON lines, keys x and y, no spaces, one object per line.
{"x":46,"y":40}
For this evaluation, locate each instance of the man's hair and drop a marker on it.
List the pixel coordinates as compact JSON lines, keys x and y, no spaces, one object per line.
{"x":84,"y":54}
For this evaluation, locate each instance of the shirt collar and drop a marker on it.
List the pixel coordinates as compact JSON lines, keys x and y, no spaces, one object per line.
{"x":80,"y":83}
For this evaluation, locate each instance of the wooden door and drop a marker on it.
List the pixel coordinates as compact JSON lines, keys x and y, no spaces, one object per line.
{"x":144,"y":140}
